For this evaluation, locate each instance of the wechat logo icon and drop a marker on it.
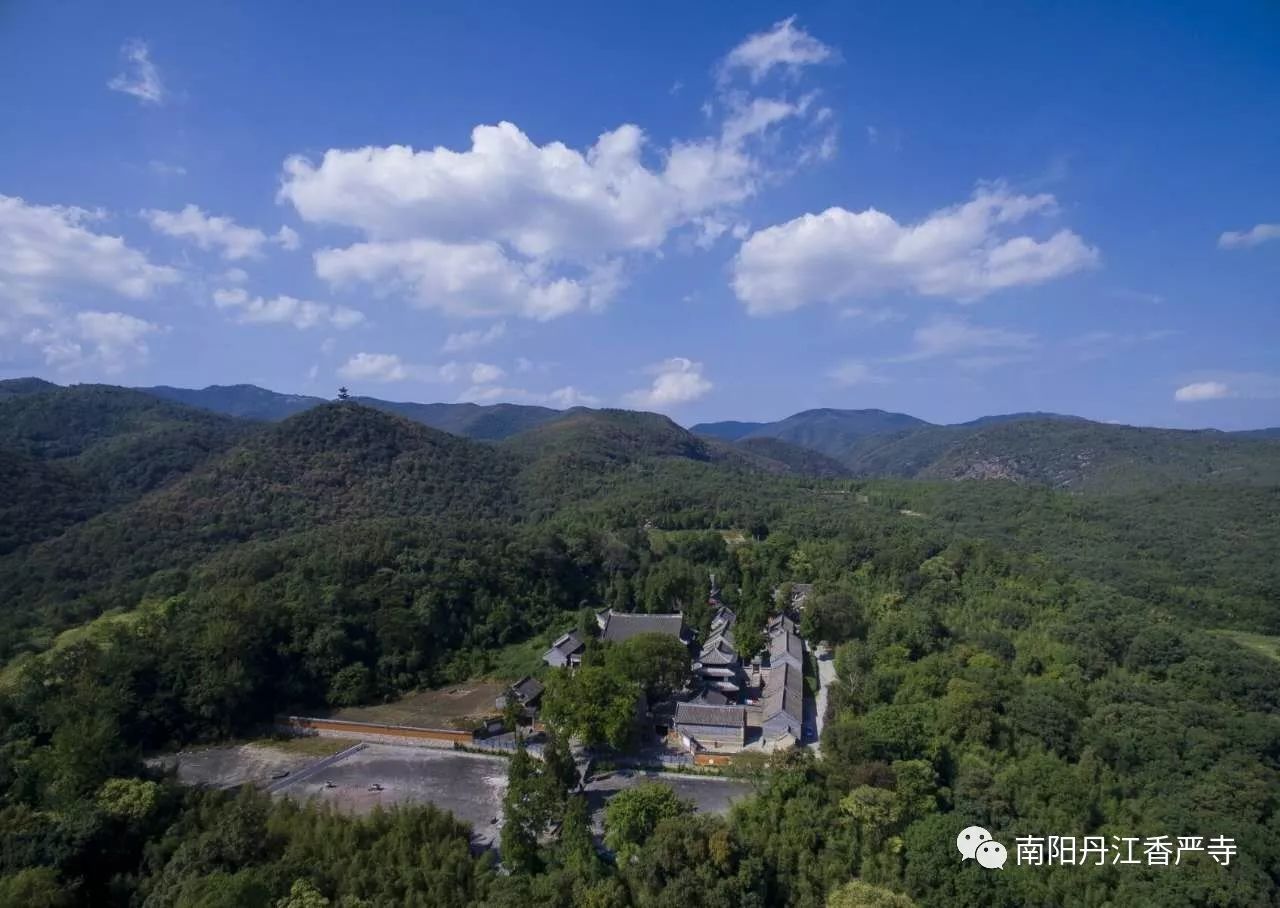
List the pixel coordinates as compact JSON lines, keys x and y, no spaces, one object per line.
{"x":976,"y":843}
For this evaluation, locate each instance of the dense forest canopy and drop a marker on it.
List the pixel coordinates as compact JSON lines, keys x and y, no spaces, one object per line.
{"x":1019,"y":657}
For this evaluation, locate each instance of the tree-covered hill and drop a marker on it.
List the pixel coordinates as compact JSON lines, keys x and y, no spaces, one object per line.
{"x":726,"y":430}
{"x":1069,"y":454}
{"x":1203,"y":552}
{"x":487,"y":422}
{"x":245,"y":401}
{"x":794,"y":458}
{"x":70,"y":453}
{"x":1032,"y":660}
{"x":332,"y":464}
{"x":1054,"y":450}
{"x":104,"y":424}
{"x":17,"y":387}
{"x":827,"y":431}
{"x":41,"y":499}
{"x":570,"y":456}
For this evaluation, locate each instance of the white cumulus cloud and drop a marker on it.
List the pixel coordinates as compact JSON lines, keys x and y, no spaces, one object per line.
{"x":564,"y":398}
{"x":569,"y":396}
{"x":288,"y":238}
{"x":517,"y":225}
{"x":675,"y":381}
{"x":109,"y":341}
{"x":964,"y":252}
{"x":1202,"y":390}
{"x":469,"y":279}
{"x":50,"y":251}
{"x":542,"y":201}
{"x":48,"y":248}
{"x":486,"y":373}
{"x":1255,"y":235}
{"x":783,"y":46}
{"x":215,"y":232}
{"x":1236,"y":385}
{"x":461,"y":341}
{"x":140,"y":78}
{"x":853,"y":372}
{"x":376,"y":367}
{"x":952,"y":336}
{"x":257,"y":310}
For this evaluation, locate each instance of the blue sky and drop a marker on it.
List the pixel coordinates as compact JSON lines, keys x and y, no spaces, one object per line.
{"x":730,"y":211}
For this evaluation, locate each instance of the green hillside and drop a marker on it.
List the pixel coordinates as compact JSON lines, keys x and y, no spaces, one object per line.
{"x":19,"y":387}
{"x":1205,"y":552}
{"x":827,"y":431}
{"x":796,"y":459}
{"x":102,"y":423}
{"x":328,"y":465}
{"x":70,"y":453}
{"x":41,"y":499}
{"x":245,"y":401}
{"x":1007,"y":653}
{"x":1072,"y":455}
{"x":491,"y":422}
{"x":487,"y":422}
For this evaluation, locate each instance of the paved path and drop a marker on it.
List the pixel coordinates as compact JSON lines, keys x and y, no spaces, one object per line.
{"x":826,"y":674}
{"x":331,"y":760}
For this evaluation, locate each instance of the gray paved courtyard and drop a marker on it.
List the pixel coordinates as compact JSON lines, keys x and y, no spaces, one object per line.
{"x":233,"y":765}
{"x":709,"y":794}
{"x":470,"y":786}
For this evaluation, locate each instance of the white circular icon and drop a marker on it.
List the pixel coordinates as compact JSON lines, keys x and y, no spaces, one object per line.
{"x":969,"y":839}
{"x":992,"y":855}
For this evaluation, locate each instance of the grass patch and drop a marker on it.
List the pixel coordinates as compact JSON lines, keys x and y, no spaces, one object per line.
{"x":514,"y":661}
{"x":1259,"y":643}
{"x":455,"y":706}
{"x":96,"y":629}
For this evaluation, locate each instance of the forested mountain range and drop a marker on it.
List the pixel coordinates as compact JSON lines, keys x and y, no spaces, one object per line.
{"x":1049,"y":449}
{"x":829,"y":431}
{"x":1039,"y":656}
{"x":489,"y":422}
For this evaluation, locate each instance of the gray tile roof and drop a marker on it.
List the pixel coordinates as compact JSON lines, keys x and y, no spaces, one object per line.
{"x":565,"y":647}
{"x":568,"y":643}
{"x":783,"y":694}
{"x":711,"y":697}
{"x":527,"y":689}
{"x":718,"y":652}
{"x":786,"y":644}
{"x":714,"y":716}
{"x":620,"y":626}
{"x":723,"y":618}
{"x":781,"y":624}
{"x":722,"y":636}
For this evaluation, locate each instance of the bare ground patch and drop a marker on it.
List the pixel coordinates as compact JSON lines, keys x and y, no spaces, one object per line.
{"x":231,"y":765}
{"x":457,"y":706}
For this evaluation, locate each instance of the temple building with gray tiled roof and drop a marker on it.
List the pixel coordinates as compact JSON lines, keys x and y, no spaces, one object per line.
{"x":567,"y":650}
{"x":713,"y":728}
{"x":616,"y":627}
{"x":782,"y":704}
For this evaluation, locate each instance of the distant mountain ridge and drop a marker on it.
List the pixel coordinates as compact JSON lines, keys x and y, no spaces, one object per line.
{"x":827,"y":431}
{"x":1055,"y":450}
{"x":1072,"y":454}
{"x":245,"y":401}
{"x":491,"y":422}
{"x":96,"y":471}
